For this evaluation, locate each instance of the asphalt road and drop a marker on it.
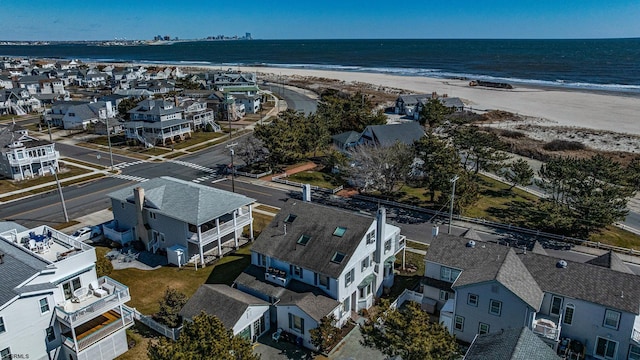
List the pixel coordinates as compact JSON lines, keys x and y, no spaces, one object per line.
{"x":90,"y":155}
{"x":296,"y":100}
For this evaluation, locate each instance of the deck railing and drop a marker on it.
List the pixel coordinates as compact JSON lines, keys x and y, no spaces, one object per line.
{"x":123,"y":322}
{"x":92,"y":309}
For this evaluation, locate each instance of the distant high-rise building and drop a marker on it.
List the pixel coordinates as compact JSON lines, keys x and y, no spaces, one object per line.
{"x":247,"y":36}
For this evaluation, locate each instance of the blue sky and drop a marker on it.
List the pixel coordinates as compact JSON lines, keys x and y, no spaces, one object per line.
{"x":328,"y":19}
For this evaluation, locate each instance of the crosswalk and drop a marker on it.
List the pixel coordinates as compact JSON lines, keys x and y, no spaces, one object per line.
{"x":129,"y":177}
{"x":194,"y":166}
{"x":206,"y":178}
{"x":127,"y":164}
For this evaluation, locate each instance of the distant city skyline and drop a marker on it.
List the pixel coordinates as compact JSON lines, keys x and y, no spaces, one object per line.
{"x":329,"y":19}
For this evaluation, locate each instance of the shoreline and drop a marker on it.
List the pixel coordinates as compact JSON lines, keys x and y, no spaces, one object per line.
{"x":550,"y":106}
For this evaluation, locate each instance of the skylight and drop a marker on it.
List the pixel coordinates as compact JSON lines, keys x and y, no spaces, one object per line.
{"x":338,"y":257}
{"x":339,"y":231}
{"x":304,"y":239}
{"x":289,"y":219}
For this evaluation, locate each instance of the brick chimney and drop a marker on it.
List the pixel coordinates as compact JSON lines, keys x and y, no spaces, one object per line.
{"x":142,"y":233}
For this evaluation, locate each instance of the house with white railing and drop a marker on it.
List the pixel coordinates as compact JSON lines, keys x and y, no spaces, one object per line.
{"x":23,"y":156}
{"x":157,"y":122}
{"x":166,"y":212}
{"x":52,"y":304}
{"x":480,"y":287}
{"x":314,"y":261}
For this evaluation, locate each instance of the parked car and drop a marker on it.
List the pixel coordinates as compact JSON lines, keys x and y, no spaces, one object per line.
{"x":87,"y":232}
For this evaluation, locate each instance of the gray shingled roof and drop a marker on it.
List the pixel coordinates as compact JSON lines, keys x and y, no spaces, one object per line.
{"x":18,"y":266}
{"x":318,"y":222}
{"x":227,"y":303}
{"x":10,"y":225}
{"x":596,"y":284}
{"x":412,"y":99}
{"x":486,"y":262}
{"x":510,"y":344}
{"x":387,"y":135}
{"x":347,"y":137}
{"x":155,"y":107}
{"x":184,"y":200}
{"x":611,"y":261}
{"x":308,"y":298}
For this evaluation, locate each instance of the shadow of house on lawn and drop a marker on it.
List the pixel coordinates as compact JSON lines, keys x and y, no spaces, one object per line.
{"x":227,"y":269}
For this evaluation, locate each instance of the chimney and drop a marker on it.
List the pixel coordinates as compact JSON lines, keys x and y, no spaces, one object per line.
{"x":434,"y":95}
{"x":175,"y":100}
{"x":141,"y":229}
{"x":306,"y":192}
{"x":381,"y":221}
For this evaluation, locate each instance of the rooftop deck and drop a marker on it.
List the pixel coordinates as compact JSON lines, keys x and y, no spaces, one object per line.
{"x":47,"y":243}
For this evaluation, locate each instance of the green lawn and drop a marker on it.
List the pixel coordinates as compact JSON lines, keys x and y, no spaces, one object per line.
{"x":316,"y":178}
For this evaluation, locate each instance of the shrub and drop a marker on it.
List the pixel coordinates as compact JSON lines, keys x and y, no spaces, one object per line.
{"x":512,"y":134}
{"x":563,"y":145}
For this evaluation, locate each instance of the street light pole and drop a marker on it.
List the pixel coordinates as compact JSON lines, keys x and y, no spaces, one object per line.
{"x":233,"y":169}
{"x":64,"y":207}
{"x":453,"y":195}
{"x":109,"y":141}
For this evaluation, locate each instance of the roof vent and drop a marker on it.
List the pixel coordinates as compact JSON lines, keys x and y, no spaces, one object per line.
{"x":562,"y":264}
{"x":471,"y":244}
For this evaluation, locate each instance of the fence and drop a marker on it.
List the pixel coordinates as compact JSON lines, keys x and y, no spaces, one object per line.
{"x":278,"y":179}
{"x":498,"y":225}
{"x":171,"y":333}
{"x":407,"y":295}
{"x":255,"y":176}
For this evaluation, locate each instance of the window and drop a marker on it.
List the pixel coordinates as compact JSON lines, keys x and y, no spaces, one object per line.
{"x":5,"y":354}
{"x":69,"y":287}
{"x":365,"y":291}
{"x":339,"y":231}
{"x":324,"y":281}
{"x":2,"y":327}
{"x":611,"y":319}
{"x":606,"y":348}
{"x":568,"y":314}
{"x":634,"y":352}
{"x":348,"y":278}
{"x":289,"y":219}
{"x":556,"y":305}
{"x":448,"y":274}
{"x":371,"y":237}
{"x":472,"y":299}
{"x":152,"y":215}
{"x":346,"y":305}
{"x":459,"y":323}
{"x":337,"y":257}
{"x":51,"y":334}
{"x":495,"y":307}
{"x":296,"y":323}
{"x":44,"y":305}
{"x":263,"y":259}
{"x":387,"y":246}
{"x":297,"y":271}
{"x":304,"y":239}
{"x":483,"y":328}
{"x":444,"y":296}
{"x":365,"y":263}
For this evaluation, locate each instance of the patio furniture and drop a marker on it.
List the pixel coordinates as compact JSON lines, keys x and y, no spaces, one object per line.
{"x":97,"y":290}
{"x":276,"y":335}
{"x":32,"y":245}
{"x":81,"y":293}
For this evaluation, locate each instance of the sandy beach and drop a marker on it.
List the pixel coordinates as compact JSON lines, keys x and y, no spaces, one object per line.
{"x":552,"y":107}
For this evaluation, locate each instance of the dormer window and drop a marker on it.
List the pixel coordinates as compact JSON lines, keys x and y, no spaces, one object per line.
{"x":339,"y":231}
{"x":338,"y":257}
{"x":290,"y":218}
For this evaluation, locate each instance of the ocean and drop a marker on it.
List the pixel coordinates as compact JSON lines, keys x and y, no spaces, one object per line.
{"x":597,"y":64}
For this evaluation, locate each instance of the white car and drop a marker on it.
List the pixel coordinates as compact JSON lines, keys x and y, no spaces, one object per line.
{"x":85,"y":233}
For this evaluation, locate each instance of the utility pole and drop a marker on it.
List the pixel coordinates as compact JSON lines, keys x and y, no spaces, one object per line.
{"x":453,"y":195}
{"x":109,"y":141}
{"x":64,"y":207}
{"x":233,"y":168}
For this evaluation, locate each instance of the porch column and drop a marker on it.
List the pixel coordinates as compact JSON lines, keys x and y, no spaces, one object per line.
{"x":31,"y":169}
{"x":219,"y":239}
{"x":199,"y":230}
{"x":404,"y":254}
{"x":75,"y":340}
{"x":235,"y":229}
{"x":250,"y":224}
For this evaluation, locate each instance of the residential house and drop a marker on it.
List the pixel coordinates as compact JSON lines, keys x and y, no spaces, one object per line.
{"x":231,"y":79}
{"x":58,"y":110}
{"x":251,"y":103}
{"x":412,"y":104}
{"x":246,"y":315}
{"x":82,"y":115}
{"x":313,"y":261}
{"x":23,"y":156}
{"x":510,"y":344}
{"x":52,"y":303}
{"x":164,"y":212}
{"x":32,"y":83}
{"x":157,"y":122}
{"x":199,"y":115}
{"x":6,"y":82}
{"x":19,"y":101}
{"x":406,"y":103}
{"x":94,"y":79}
{"x":488,"y":287}
{"x":387,"y":135}
{"x":346,"y":141}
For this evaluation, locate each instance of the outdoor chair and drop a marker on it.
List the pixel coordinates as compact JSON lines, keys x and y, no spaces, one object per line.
{"x":276,"y":335}
{"x":97,"y":290}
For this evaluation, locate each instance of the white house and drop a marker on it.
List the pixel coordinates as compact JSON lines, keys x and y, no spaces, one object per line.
{"x":157,"y":122}
{"x":22,"y":156}
{"x":53,"y":305}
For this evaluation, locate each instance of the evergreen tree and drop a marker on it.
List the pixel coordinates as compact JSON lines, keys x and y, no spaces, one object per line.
{"x":518,"y":173}
{"x":170,"y":305}
{"x":434,"y":113}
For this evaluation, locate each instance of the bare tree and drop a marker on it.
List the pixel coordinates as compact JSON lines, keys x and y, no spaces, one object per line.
{"x":251,"y":150}
{"x":375,"y":168}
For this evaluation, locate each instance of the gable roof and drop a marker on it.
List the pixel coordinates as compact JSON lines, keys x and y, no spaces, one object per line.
{"x":611,"y":261}
{"x":486,"y":262}
{"x":510,"y":344}
{"x":347,"y":137}
{"x":319,"y":222}
{"x":184,"y":200}
{"x":596,"y":284}
{"x":309,"y":299}
{"x":227,"y":303}
{"x":387,"y":135}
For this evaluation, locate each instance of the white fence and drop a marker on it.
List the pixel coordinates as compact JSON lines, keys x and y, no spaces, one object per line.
{"x":171,"y":333}
{"x":407,"y":295}
{"x":278,"y":179}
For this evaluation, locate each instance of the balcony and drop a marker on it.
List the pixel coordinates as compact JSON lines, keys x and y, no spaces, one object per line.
{"x":211,"y":235}
{"x":401,"y":241}
{"x":546,"y":328}
{"x":34,"y":159}
{"x":635,"y":336}
{"x":53,"y":245}
{"x":80,"y":310}
{"x":276,"y":276}
{"x":98,"y":329}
